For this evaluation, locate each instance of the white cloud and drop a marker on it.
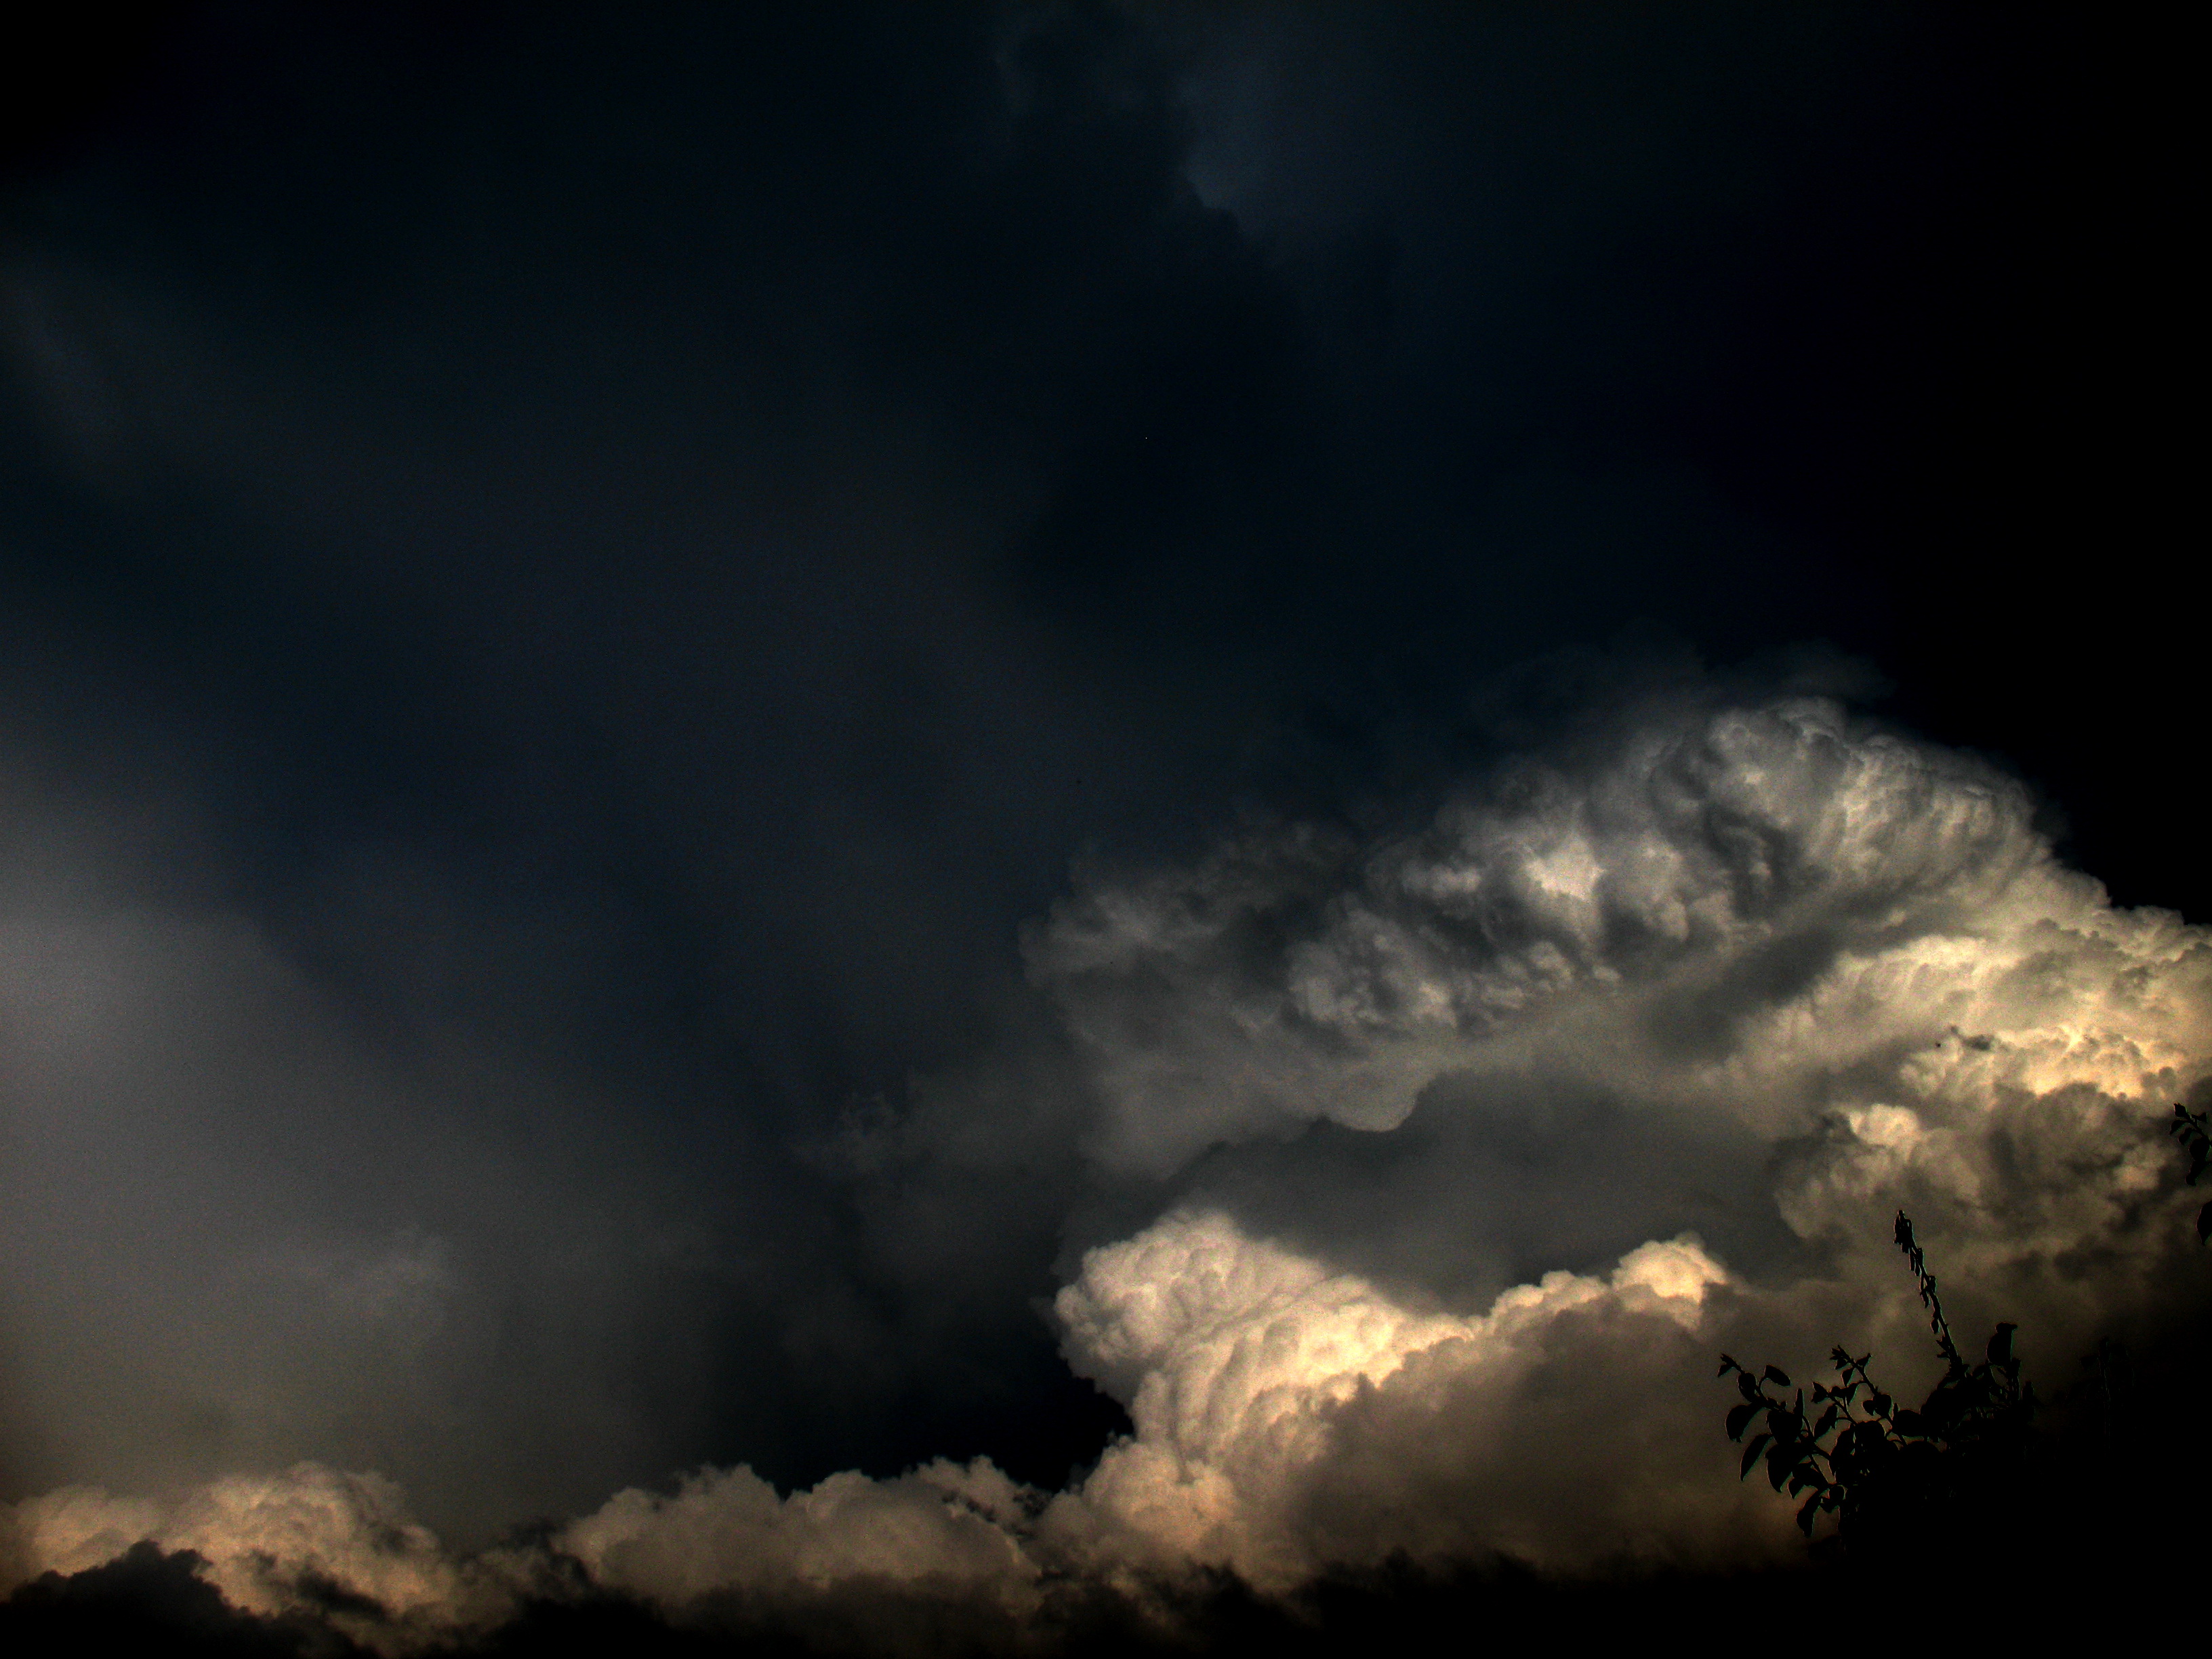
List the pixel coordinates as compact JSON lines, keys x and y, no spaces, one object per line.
{"x":310,"y":1539}
{"x":1817,"y":966}
{"x":1823,"y":970}
{"x":943,"y":1528}
{"x":1236,"y":1357}
{"x":1764,"y":921}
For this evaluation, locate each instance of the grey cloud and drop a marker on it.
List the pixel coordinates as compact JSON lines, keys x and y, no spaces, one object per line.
{"x":567,"y":590}
{"x":246,"y":1222}
{"x":1895,"y":995}
{"x":1700,"y":874}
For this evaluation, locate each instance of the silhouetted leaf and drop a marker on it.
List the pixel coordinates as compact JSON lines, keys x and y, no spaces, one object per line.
{"x":2204,"y":1223}
{"x":1895,"y":1472}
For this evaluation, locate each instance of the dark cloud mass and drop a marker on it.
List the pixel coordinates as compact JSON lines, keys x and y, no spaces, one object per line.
{"x":873,"y":820}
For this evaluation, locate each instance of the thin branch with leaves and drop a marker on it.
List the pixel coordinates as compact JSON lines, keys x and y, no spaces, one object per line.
{"x":2194,"y":1131}
{"x":1882,"y":1469}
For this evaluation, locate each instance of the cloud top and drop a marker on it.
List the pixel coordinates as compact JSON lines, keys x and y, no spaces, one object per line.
{"x":1237,"y":1358}
{"x":1734,"y":858}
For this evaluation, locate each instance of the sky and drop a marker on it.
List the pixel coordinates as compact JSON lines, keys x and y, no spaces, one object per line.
{"x":877,"y":814}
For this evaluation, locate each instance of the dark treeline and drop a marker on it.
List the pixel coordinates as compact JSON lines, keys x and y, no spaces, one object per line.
{"x":2117,"y":1552}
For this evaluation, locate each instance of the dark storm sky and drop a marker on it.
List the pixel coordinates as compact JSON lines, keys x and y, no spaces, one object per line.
{"x":628,"y":548}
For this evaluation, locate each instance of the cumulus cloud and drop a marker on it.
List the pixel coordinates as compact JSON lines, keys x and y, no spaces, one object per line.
{"x":1766,"y":970}
{"x":1240,"y":1360}
{"x":1767,"y":928}
{"x":1259,"y":1381}
{"x":1679,"y":1012}
{"x":944,"y":1528}
{"x":312,"y":1540}
{"x":1703,"y":886}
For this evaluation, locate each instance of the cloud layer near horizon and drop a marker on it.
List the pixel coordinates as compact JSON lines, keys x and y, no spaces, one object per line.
{"x":1677,"y":1010}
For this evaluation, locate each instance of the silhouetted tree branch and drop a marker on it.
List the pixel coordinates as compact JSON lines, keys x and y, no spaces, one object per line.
{"x":1887,"y":1473}
{"x":2194,"y":1131}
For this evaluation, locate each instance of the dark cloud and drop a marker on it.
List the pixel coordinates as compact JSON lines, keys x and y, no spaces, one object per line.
{"x":572,"y":584}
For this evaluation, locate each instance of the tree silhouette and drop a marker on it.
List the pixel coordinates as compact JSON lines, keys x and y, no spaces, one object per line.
{"x":1889,"y":1473}
{"x":2194,"y":1131}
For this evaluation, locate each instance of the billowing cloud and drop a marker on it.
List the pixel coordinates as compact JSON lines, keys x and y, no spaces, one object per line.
{"x":1688,"y":913}
{"x":309,"y":1541}
{"x":1236,"y":1357}
{"x":1239,"y":1359}
{"x":1808,"y":966}
{"x":944,"y":1528}
{"x":569,"y":583}
{"x":1762,"y":968}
